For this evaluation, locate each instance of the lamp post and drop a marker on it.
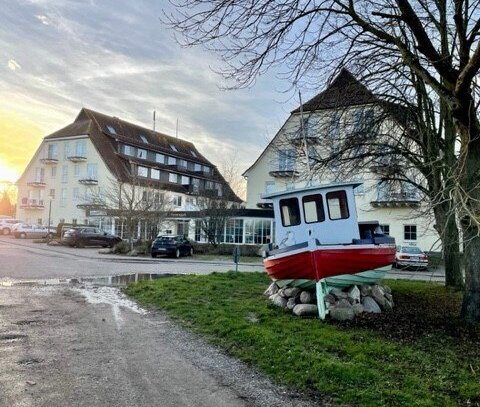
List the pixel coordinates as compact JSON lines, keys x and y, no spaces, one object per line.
{"x":50,"y":199}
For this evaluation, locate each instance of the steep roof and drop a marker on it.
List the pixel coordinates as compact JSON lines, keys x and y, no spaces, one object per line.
{"x":345,"y":90}
{"x":106,"y":132}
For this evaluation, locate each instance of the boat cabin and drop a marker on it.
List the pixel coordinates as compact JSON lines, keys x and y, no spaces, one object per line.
{"x":326,"y":215}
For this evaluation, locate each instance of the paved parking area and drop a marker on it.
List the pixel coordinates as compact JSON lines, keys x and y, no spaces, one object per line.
{"x":23,"y":259}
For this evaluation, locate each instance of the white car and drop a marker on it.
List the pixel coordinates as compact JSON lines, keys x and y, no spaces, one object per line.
{"x":6,"y":225}
{"x":410,"y":256}
{"x":25,"y":231}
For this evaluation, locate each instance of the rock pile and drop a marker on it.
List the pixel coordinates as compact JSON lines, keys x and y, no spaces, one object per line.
{"x":342,"y":304}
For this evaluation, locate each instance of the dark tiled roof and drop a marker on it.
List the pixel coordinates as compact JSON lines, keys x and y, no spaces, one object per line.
{"x":95,"y":125}
{"x":345,"y":90}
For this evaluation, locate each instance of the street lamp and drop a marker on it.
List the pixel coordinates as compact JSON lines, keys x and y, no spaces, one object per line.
{"x":50,"y":199}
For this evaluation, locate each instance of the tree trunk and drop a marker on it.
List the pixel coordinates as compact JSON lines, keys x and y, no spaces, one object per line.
{"x":451,"y":254}
{"x":471,"y":298}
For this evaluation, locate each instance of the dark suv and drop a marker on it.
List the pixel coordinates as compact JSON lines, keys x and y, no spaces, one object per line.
{"x":175,"y":246}
{"x":89,"y":236}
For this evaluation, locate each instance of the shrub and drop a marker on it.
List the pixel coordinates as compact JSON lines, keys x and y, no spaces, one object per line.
{"x":143,"y":247}
{"x":122,"y":247}
{"x":226,"y":249}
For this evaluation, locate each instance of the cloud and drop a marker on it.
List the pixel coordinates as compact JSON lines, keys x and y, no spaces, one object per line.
{"x":114,"y":56}
{"x":43,"y":19}
{"x":13,"y":65}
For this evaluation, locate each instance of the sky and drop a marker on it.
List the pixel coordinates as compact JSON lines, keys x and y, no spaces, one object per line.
{"x":116,"y":57}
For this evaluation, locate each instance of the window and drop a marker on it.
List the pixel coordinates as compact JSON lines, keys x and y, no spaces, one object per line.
{"x":66,"y":150}
{"x":360,"y":190}
{"x":308,"y":126}
{"x":313,"y":208}
{"x":159,"y":158}
{"x":410,"y":232}
{"x":76,"y":194}
{"x":143,"y":138}
{"x":142,"y":171}
{"x":258,"y":231}
{"x":76,"y":170}
{"x":141,"y":153}
{"x":111,"y":130}
{"x":52,"y":194}
{"x":92,"y":171}
{"x":129,"y":150}
{"x":286,"y":160}
{"x":269,"y":186}
{"x":155,"y":174}
{"x":206,"y":169}
{"x":334,"y":125}
{"x":173,"y":147}
{"x":81,"y":148}
{"x":234,"y":231}
{"x":53,"y":172}
{"x":185,"y":180}
{"x":171,"y":161}
{"x":337,"y":205}
{"x":290,"y":212}
{"x":197,"y":167}
{"x":52,"y":151}
{"x":182,"y":163}
{"x":385,"y":229}
{"x":177,"y":200}
{"x":64,"y":174}
{"x":172,"y":177}
{"x":193,"y":153}
{"x":63,"y":197}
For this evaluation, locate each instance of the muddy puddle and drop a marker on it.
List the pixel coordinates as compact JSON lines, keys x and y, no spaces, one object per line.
{"x":110,"y":281}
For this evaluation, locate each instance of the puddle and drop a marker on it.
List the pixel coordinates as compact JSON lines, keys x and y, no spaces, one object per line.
{"x":121,"y":280}
{"x":11,"y":337}
{"x":27,"y":362}
{"x":29,"y":322}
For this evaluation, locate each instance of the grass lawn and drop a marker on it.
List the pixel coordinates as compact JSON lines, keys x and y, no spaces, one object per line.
{"x":418,"y":354}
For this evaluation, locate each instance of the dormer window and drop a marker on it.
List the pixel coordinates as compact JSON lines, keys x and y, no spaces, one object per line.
{"x":193,"y":153}
{"x":143,"y":138}
{"x":111,"y":130}
{"x":173,"y":147}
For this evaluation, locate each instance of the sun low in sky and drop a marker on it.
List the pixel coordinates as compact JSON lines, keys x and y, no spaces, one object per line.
{"x":19,"y":138}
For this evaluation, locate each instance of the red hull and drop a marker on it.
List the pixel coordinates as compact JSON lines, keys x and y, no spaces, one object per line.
{"x":321,"y":263}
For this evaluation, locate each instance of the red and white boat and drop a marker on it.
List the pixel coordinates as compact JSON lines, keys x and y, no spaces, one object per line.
{"x":318,"y":236}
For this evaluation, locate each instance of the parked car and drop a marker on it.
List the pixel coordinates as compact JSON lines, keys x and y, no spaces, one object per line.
{"x":89,"y":236}
{"x":411,"y":256}
{"x":171,"y":245}
{"x":24,"y":231}
{"x":6,"y":225}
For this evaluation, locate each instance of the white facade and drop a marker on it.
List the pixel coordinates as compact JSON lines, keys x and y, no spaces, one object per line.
{"x":275,"y":169}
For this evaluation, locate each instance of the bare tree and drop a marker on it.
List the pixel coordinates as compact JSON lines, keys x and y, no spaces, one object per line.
{"x":132,"y":203}
{"x":438,"y":41}
{"x":230,"y":169}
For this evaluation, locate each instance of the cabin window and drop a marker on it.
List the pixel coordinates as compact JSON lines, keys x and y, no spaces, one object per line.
{"x":313,"y":208}
{"x":290,"y":212}
{"x":337,"y":205}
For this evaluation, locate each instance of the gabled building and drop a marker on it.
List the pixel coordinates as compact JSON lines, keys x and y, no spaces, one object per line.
{"x":339,"y":108}
{"x":85,"y":157}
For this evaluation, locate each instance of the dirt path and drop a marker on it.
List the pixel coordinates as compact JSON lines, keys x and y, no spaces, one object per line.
{"x":67,"y":346}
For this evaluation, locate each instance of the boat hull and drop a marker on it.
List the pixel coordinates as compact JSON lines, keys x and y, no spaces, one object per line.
{"x":340,"y":281}
{"x":325,"y":262}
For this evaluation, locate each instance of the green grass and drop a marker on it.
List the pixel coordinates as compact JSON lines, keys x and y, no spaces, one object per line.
{"x":220,"y":257}
{"x":352,"y":364}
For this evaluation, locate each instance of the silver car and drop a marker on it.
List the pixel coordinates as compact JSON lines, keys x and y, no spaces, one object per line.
{"x":25,"y":231}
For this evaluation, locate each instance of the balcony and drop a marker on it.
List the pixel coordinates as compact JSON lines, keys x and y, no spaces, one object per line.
{"x":32,"y":204}
{"x":37,"y":184}
{"x":88,"y":181}
{"x":284,"y":173}
{"x":299,"y":140}
{"x":77,"y":158}
{"x":49,"y":160}
{"x":396,"y":200}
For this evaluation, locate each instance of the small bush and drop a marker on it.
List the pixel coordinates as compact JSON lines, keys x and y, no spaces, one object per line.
{"x":143,"y":247}
{"x":225,"y":249}
{"x":121,"y":248}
